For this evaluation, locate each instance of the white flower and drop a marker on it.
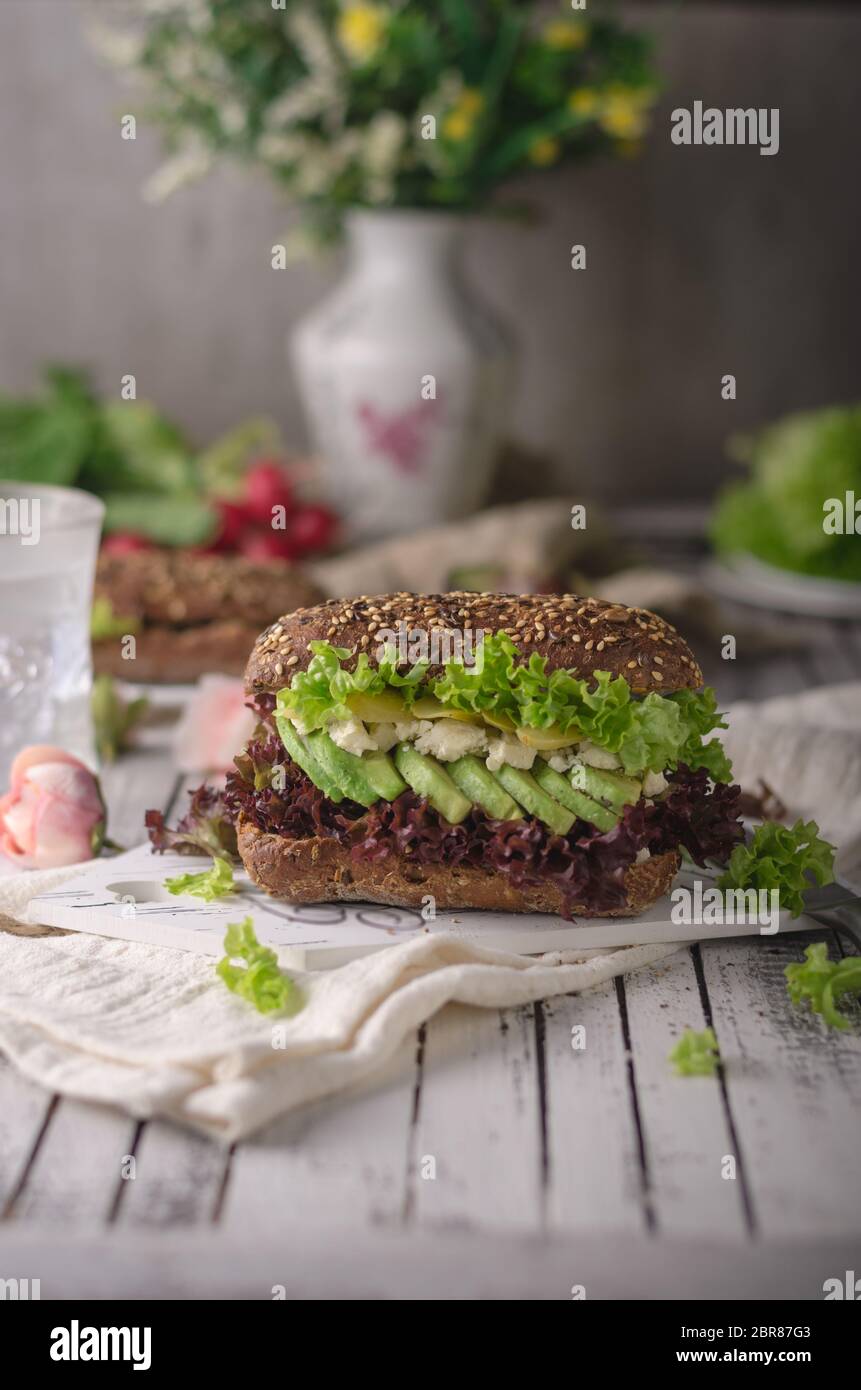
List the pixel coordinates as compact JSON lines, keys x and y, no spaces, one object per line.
{"x":385,"y":136}
{"x":183,"y":168}
{"x":120,"y":48}
{"x":233,"y":117}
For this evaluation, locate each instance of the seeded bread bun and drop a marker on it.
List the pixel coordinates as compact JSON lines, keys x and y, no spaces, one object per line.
{"x":573,"y":633}
{"x":319,"y":870}
{"x":190,"y":613}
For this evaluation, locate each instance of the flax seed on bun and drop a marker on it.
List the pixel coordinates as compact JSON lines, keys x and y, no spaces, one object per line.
{"x":573,"y":633}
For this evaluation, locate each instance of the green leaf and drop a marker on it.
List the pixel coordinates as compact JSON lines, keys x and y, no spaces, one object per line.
{"x":654,"y":733}
{"x":796,"y":466}
{"x":140,"y":451}
{"x":221,"y":467}
{"x":260,"y":981}
{"x":783,"y":859}
{"x":48,"y":439}
{"x":822,"y":981}
{"x":319,"y":695}
{"x":113,"y":718}
{"x":696,"y":1054}
{"x":212,"y":883}
{"x":105,"y":623}
{"x":181,"y":519}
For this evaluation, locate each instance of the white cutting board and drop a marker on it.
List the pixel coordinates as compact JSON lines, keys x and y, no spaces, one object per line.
{"x":124,"y":897}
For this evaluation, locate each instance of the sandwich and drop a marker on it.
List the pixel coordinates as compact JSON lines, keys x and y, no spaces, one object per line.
{"x":544,"y":753}
{"x":188,"y":613}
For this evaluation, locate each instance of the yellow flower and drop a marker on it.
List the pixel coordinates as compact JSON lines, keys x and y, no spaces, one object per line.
{"x":545,"y":151}
{"x":566,"y":34}
{"x":471,"y":101}
{"x":623,"y":112}
{"x":458,"y":124}
{"x":583,"y":102}
{"x":360,"y":30}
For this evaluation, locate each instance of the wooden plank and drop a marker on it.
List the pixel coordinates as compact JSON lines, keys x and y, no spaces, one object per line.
{"x":133,"y":784}
{"x":794,"y":1090}
{"x":329,"y":1263}
{"x":76,"y":1172}
{"x":683,"y":1119}
{"x":25,"y":1112}
{"x":340,"y":1162}
{"x":596,"y":1178}
{"x":178,"y":1179}
{"x":477,"y":1159}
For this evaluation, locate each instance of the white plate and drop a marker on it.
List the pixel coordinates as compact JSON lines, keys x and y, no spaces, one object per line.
{"x":747,"y":580}
{"x":125,"y":897}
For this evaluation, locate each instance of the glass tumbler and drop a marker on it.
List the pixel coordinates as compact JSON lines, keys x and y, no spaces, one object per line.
{"x":49,"y":539}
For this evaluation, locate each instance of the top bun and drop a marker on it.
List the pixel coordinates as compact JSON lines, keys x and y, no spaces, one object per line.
{"x":582,"y":635}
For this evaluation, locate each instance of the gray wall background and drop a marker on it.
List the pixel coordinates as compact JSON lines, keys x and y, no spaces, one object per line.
{"x":701,"y":261}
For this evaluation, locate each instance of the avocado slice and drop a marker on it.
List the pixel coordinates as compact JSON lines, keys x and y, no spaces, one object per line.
{"x":382,"y":775}
{"x":578,"y":802}
{"x":534,"y":799}
{"x":345,"y":769}
{"x":612,"y":787}
{"x":472,"y":777}
{"x":304,"y":758}
{"x":429,"y":778}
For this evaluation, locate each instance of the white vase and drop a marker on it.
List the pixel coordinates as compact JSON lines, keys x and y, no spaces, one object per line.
{"x":404,"y":377}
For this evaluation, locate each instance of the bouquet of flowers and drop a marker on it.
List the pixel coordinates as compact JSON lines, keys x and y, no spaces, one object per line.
{"x":384,"y":103}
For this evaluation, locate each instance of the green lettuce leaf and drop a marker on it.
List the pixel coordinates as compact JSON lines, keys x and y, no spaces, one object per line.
{"x":796,"y":466}
{"x":654,"y":733}
{"x":212,"y":883}
{"x":823,"y":981}
{"x":777,"y":857}
{"x":696,"y":1054}
{"x":319,"y":695}
{"x":261,"y":980}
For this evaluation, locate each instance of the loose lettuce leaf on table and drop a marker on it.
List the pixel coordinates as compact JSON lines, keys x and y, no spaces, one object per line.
{"x":696,"y":1054}
{"x":822,"y":982}
{"x":777,"y":857}
{"x":211,"y":884}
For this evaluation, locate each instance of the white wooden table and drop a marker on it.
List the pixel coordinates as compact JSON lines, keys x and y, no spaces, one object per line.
{"x":554,"y":1167}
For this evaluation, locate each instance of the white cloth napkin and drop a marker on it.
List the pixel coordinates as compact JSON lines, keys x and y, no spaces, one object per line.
{"x":154,"y":1031}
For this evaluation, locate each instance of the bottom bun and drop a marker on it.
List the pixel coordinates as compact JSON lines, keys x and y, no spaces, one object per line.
{"x":178,"y":655}
{"x":321,"y":870}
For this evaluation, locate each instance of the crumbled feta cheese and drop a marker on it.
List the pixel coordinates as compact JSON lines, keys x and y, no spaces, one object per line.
{"x":506,"y":749}
{"x":386,"y":736}
{"x":642,"y":856}
{"x":654,"y":783}
{"x":351,"y":735}
{"x":409,"y":729}
{"x":448,"y":739}
{"x":597,"y":757}
{"x":562,"y":759}
{"x":299,"y":725}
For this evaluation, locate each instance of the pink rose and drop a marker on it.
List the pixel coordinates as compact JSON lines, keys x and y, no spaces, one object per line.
{"x":214,"y":727}
{"x":53,"y":813}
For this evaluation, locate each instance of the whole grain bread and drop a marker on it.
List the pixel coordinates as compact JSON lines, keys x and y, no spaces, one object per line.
{"x":319,"y":870}
{"x":574,"y":633}
{"x":190,"y":614}
{"x":177,"y":654}
{"x":178,"y":588}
